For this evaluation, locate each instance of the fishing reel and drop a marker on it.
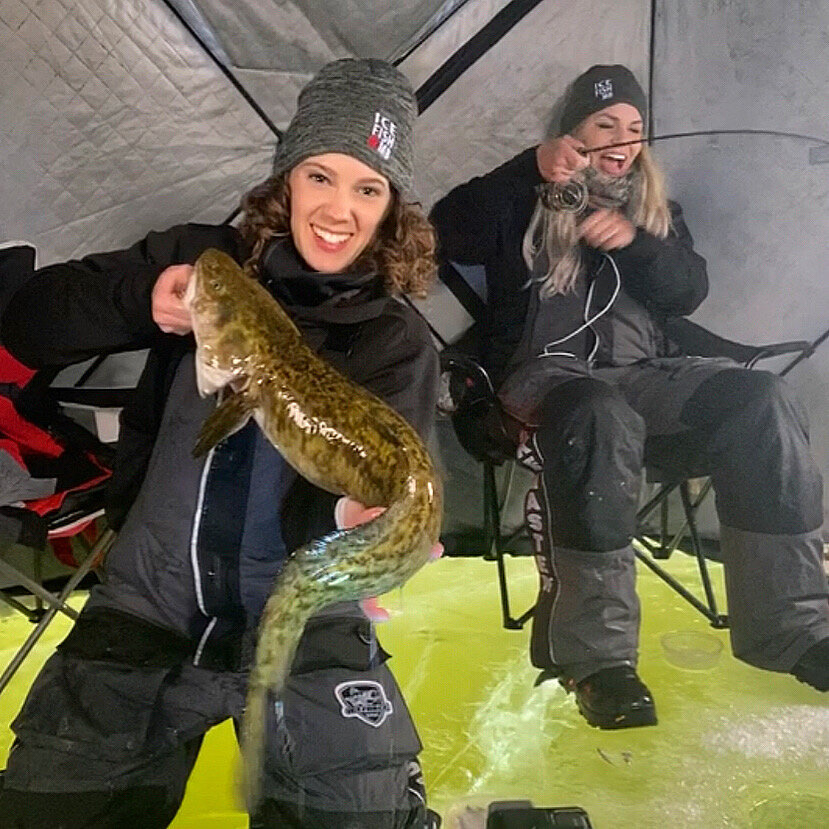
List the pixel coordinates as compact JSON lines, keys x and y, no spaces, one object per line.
{"x":568,"y":197}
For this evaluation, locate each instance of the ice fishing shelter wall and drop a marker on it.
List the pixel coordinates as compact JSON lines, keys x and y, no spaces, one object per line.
{"x":119,"y":117}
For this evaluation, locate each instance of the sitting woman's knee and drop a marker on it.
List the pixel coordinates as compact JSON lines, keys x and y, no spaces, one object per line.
{"x":582,"y":396}
{"x":592,"y":409}
{"x":747,"y":393}
{"x":763,"y":387}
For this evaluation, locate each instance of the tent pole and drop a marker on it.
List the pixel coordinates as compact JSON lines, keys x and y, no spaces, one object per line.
{"x":476,"y":47}
{"x":237,"y":84}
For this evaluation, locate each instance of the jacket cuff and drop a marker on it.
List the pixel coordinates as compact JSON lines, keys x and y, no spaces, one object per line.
{"x":135,"y":298}
{"x":645,"y":247}
{"x":529,"y":166}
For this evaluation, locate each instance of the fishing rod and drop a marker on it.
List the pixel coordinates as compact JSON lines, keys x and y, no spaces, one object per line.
{"x":806,"y":353}
{"x":665,"y":136}
{"x":573,"y":196}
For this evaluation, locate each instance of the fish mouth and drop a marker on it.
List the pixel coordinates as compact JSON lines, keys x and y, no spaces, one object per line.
{"x":206,"y":310}
{"x":189,"y":295}
{"x":196,"y":302}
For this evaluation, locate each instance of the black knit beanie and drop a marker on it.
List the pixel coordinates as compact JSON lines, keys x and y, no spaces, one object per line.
{"x":600,"y":87}
{"x":364,"y":108}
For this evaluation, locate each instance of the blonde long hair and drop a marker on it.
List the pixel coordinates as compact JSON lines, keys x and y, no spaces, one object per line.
{"x":555,"y":232}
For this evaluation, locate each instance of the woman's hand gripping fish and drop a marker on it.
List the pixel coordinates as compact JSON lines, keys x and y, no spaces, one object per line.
{"x":334,"y":433}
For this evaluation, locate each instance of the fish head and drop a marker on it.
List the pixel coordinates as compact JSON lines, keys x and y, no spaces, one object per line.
{"x":223,"y":303}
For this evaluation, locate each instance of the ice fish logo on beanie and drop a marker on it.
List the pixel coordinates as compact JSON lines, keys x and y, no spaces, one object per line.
{"x":366,"y":701}
{"x":604,"y":89}
{"x":383,"y":135}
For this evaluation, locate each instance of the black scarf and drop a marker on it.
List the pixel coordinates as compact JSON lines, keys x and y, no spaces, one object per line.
{"x":315,"y":300}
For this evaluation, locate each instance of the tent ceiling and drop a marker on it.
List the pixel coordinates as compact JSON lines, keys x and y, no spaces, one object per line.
{"x":273,"y":47}
{"x":271,"y":36}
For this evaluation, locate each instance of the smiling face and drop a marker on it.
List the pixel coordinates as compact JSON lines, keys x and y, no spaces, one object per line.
{"x":337,"y":205}
{"x":611,"y":125}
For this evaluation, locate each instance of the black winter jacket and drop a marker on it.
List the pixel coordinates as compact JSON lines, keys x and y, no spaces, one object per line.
{"x":102,"y":303}
{"x":483,"y":222}
{"x":175,"y":587}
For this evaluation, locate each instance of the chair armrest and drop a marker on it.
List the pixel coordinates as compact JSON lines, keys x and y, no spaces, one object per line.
{"x":78,"y":507}
{"x":695,"y":340}
{"x":468,"y":381}
{"x":94,"y":398}
{"x":778,"y":349}
{"x":470,"y":400}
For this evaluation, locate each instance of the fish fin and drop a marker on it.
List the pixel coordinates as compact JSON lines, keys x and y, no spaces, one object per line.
{"x":228,"y":417}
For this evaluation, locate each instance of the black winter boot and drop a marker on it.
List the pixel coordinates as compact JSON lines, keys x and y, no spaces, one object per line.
{"x":614,"y":698}
{"x":813,"y":667}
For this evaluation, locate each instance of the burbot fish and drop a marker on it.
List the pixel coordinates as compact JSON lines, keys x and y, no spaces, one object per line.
{"x":334,"y":433}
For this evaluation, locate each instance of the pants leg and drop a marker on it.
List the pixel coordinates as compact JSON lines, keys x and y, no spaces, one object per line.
{"x":746,"y":429}
{"x":284,"y":813}
{"x":93,"y":750}
{"x":701,"y":417}
{"x":770,"y":503}
{"x":138,"y":807}
{"x":341,"y":747}
{"x":588,"y":449}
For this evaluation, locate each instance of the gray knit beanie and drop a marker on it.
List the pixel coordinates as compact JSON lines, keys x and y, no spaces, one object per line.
{"x":600,"y":87}
{"x":364,"y":108}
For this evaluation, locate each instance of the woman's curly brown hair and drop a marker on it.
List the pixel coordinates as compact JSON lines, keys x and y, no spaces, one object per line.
{"x":403,"y":250}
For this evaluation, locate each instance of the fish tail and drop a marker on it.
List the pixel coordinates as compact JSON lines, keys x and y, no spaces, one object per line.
{"x":253,"y":746}
{"x":345,"y":565}
{"x":283,"y":621}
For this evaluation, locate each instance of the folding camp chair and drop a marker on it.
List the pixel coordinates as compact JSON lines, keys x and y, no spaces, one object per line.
{"x":56,"y":450}
{"x":47,"y":603}
{"x":470,"y":401}
{"x":54,"y":472}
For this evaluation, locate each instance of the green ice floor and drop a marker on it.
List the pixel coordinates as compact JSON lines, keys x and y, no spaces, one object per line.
{"x":735,"y":747}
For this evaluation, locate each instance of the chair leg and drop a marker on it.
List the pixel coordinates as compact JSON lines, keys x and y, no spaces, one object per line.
{"x":717,"y":619}
{"x":42,"y":594}
{"x":38,"y":574}
{"x":33,"y":615}
{"x":57,"y":603}
{"x":663,"y":550}
{"x":663,"y":525}
{"x":689,"y":511}
{"x":495,"y":547}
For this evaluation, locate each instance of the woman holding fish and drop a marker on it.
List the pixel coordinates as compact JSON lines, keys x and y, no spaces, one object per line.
{"x":164,"y":647}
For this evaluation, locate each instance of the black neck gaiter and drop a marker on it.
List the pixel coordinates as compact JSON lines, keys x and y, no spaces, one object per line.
{"x":312,"y":298}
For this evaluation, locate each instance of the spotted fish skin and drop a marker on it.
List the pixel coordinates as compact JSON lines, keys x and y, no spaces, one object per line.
{"x":334,"y":433}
